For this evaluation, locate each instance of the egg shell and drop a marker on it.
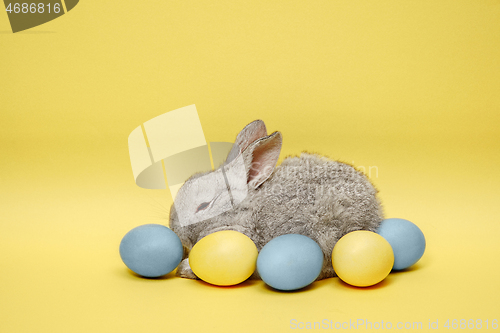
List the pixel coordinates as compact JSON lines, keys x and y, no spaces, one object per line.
{"x":223,"y":258}
{"x":362,"y":258}
{"x":151,"y":250}
{"x":290,"y":262}
{"x":406,"y":239}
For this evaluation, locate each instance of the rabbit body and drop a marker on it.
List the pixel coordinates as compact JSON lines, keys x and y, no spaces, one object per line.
{"x":309,"y":195}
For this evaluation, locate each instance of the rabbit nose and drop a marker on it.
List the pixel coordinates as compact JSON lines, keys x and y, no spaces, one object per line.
{"x":232,"y":227}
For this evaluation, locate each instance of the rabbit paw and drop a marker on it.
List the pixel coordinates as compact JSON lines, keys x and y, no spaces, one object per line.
{"x":185,"y":271}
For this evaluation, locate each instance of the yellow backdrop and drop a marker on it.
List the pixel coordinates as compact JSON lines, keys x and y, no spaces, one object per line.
{"x":407,"y":90}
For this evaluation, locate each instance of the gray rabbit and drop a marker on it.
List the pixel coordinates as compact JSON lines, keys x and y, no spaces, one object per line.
{"x":309,"y":195}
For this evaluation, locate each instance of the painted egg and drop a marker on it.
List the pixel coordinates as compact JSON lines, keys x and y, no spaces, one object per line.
{"x":290,"y":262}
{"x":223,"y":258}
{"x":362,"y":258}
{"x":151,"y":250}
{"x":406,"y":239}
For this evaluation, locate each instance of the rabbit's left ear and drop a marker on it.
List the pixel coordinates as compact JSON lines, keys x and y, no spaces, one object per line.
{"x":261,"y":157}
{"x":248,"y":135}
{"x":251,"y":133}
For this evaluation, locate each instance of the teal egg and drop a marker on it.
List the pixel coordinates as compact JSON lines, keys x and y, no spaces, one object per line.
{"x":290,"y":262}
{"x":406,"y":239}
{"x":151,"y":250}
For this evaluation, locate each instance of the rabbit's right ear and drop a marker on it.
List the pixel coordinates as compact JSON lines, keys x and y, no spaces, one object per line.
{"x":251,"y":133}
{"x":261,"y":157}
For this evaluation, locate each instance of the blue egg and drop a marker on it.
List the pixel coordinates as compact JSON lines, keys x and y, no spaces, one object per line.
{"x":290,"y":262}
{"x":406,"y":239}
{"x":151,"y":250}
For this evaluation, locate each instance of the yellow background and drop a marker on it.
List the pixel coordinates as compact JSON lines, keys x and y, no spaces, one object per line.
{"x":409,"y":87}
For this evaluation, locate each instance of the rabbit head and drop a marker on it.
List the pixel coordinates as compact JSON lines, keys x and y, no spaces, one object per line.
{"x":211,"y":201}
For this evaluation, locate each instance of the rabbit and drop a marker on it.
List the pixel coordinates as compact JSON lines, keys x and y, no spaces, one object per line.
{"x":309,"y":195}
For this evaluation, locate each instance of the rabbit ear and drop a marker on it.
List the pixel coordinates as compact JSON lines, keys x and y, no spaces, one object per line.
{"x":251,"y":133}
{"x":261,"y":157}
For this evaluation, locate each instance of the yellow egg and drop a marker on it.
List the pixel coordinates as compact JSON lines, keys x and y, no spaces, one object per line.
{"x":362,"y":258}
{"x":224,"y":258}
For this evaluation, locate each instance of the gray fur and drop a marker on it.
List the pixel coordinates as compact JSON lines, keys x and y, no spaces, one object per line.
{"x":309,"y":195}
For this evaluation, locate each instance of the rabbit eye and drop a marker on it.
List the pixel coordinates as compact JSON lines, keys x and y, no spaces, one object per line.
{"x":202,"y":206}
{"x":208,"y":204}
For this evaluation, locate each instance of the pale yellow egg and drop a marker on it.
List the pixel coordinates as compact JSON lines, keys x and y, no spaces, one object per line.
{"x":362,"y":258}
{"x":224,"y":258}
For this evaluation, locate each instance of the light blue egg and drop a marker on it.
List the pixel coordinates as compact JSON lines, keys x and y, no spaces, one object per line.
{"x":290,"y":262}
{"x":151,"y":250}
{"x":406,"y":239}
